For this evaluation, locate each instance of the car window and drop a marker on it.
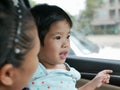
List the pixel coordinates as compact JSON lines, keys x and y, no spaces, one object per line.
{"x":96,"y":27}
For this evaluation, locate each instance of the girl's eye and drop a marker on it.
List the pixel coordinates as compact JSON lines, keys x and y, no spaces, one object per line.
{"x":58,"y":37}
{"x":68,"y":36}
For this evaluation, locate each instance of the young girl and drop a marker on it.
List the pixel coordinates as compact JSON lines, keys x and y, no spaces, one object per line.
{"x":53,"y":73}
{"x":19,"y":45}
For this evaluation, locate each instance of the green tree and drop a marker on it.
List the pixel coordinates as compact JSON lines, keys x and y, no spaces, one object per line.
{"x":91,"y":6}
{"x":87,"y":15}
{"x":32,"y":3}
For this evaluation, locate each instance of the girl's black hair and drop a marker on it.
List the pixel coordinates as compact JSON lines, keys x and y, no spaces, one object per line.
{"x":16,"y":38}
{"x":45,"y":15}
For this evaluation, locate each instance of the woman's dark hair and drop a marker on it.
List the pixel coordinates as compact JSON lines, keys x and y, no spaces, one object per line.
{"x":16,"y":28}
{"x":45,"y":15}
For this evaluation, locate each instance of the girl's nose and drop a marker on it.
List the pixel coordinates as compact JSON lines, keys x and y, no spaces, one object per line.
{"x":66,"y":43}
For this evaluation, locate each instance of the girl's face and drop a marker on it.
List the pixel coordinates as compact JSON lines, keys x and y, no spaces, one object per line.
{"x":28,"y":67}
{"x":56,"y":44}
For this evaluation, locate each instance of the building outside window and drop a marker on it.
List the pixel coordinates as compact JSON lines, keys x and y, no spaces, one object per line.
{"x":112,"y":13}
{"x":119,"y":13}
{"x":112,"y":2}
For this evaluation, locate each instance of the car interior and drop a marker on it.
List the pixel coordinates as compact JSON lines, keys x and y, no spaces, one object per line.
{"x":89,"y":67}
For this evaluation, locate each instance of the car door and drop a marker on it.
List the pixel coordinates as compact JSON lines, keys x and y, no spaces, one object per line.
{"x":89,"y":67}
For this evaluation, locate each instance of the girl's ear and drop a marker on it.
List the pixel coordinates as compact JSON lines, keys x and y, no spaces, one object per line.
{"x":7,"y":74}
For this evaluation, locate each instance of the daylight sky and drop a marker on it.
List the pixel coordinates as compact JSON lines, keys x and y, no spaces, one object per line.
{"x":71,"y":6}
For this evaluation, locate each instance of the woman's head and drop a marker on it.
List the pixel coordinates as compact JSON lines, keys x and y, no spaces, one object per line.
{"x":19,"y":45}
{"x":46,"y":15}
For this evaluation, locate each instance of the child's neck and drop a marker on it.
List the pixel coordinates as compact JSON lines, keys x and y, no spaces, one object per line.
{"x":54,"y":66}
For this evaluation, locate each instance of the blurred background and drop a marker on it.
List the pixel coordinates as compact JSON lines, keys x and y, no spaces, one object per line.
{"x":96,"y":26}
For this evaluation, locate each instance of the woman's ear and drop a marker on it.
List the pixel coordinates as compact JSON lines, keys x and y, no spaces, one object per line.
{"x":7,"y":74}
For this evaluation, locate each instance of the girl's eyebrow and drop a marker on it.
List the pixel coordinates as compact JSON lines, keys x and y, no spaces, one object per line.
{"x":55,"y":33}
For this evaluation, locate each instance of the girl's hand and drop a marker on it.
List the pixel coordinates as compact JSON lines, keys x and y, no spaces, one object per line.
{"x":102,"y":77}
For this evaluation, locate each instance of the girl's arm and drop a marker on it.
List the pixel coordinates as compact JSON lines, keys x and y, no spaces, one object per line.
{"x":100,"y":79}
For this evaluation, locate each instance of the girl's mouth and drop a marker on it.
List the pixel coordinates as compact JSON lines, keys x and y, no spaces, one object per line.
{"x":63,"y":55}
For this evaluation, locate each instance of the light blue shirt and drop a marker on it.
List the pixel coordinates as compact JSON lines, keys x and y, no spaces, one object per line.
{"x":58,"y":79}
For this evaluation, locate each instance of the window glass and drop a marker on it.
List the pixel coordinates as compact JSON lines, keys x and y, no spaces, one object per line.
{"x":96,"y":26}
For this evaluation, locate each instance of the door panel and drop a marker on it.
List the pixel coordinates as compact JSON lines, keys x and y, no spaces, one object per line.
{"x":89,"y":67}
{"x":81,"y":82}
